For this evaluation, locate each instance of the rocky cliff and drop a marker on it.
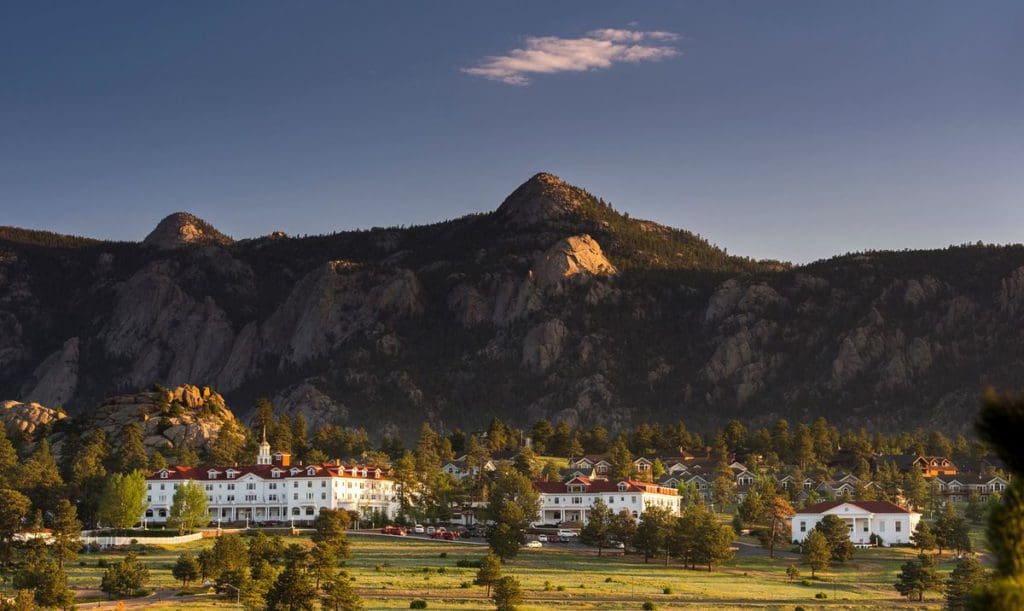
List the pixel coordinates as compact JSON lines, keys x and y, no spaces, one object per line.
{"x":554,"y":305}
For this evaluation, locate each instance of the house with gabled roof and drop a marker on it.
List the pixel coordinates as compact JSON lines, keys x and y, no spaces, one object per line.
{"x":887,"y":522}
{"x":572,"y":501}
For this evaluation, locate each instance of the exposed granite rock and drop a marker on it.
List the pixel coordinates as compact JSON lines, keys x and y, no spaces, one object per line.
{"x":544,"y":197}
{"x":54,"y":380}
{"x":574,"y":256}
{"x":543,"y":345}
{"x":184,"y":229}
{"x":26,"y":417}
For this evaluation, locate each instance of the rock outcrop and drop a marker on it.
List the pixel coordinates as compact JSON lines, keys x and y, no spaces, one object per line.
{"x":26,"y":418}
{"x":184,"y":229}
{"x":574,"y":256}
{"x":543,"y":198}
{"x":168,"y":417}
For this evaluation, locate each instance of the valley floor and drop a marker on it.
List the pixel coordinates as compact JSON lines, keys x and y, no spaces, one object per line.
{"x":389,"y":572}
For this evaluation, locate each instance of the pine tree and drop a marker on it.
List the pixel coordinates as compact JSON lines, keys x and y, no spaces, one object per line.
{"x":653,"y":532}
{"x":598,"y":527}
{"x":8,"y":460}
{"x":340,"y":595}
{"x":132,"y":452}
{"x":14,"y":508}
{"x":968,"y":575}
{"x":916,"y":577}
{"x":186,"y":569}
{"x":923,"y":538}
{"x":67,"y":533}
{"x":39,"y":477}
{"x":816,"y":552}
{"x":837,"y":533}
{"x":489,"y":572}
{"x":507,"y":594}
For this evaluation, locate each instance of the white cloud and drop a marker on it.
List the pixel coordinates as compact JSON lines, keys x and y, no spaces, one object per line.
{"x":597,"y":50}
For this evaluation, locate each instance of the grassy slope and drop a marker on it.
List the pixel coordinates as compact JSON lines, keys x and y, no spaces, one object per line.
{"x":389,"y":572}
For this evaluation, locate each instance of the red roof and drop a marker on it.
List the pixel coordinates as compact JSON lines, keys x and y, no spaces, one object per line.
{"x":264,"y":471}
{"x":872,"y":506}
{"x":602,"y":486}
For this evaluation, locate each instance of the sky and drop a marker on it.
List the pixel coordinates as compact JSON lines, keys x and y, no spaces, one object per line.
{"x":787,"y":130}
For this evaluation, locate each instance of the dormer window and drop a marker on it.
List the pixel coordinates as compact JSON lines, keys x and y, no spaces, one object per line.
{"x":295,"y":470}
{"x":231,"y":473}
{"x":311,"y":471}
{"x":275,"y":473}
{"x":163,"y":474}
{"x":622,"y":486}
{"x":212,"y":474}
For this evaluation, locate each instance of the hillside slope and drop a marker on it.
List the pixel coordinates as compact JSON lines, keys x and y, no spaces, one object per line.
{"x":554,"y":305}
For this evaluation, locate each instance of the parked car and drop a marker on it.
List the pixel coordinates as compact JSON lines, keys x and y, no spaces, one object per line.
{"x":449,"y":535}
{"x":534,"y":544}
{"x":431,"y":530}
{"x":616,"y":545}
{"x":393,"y":530}
{"x":542,"y":538}
{"x":418,"y":529}
{"x":564,"y":539}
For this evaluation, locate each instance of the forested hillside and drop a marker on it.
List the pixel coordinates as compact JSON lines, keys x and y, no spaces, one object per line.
{"x":556,"y":305}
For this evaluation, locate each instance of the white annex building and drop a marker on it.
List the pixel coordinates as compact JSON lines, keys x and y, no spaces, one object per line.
{"x":572,"y":501}
{"x":893,"y":524}
{"x":275,"y":490}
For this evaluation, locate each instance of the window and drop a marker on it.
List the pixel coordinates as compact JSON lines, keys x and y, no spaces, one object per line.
{"x":163,"y":474}
{"x":899,"y":526}
{"x":161,"y":486}
{"x":250,"y":486}
{"x":803,"y":526}
{"x":295,"y":496}
{"x":309,"y":511}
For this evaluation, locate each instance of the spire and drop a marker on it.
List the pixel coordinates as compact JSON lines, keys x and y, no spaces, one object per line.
{"x":264,"y":433}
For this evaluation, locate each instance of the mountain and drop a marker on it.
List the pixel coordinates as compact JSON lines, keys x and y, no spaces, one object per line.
{"x":555,"y":304}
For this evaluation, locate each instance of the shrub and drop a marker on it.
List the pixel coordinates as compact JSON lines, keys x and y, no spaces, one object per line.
{"x":560,"y":588}
{"x":418,"y":603}
{"x":443,"y":555}
{"x":442,"y":570}
{"x":821,"y":595}
{"x":465,"y":563}
{"x":649,"y":606}
{"x":805,"y":582}
{"x":608,"y":580}
{"x":547,"y":586}
{"x":666,"y":590}
{"x":464,"y":585}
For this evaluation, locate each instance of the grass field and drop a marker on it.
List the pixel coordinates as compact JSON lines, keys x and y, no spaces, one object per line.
{"x":390,"y":571}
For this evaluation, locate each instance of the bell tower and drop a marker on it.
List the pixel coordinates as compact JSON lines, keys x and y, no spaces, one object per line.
{"x":263,"y":458}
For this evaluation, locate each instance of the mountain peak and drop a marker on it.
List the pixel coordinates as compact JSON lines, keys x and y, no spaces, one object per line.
{"x":184,"y":229}
{"x":541,"y":198}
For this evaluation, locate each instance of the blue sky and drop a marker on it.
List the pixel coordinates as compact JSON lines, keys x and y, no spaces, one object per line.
{"x":791,"y":130}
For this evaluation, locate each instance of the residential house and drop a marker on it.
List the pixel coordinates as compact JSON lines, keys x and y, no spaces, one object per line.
{"x":572,"y":501}
{"x":891,"y":523}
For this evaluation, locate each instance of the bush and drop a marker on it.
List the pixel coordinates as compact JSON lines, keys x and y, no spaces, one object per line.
{"x":465,"y":563}
{"x":666,"y":590}
{"x":464,"y":585}
{"x":442,"y":570}
{"x":101,"y":563}
{"x":821,"y":595}
{"x":443,"y":555}
{"x":608,"y":580}
{"x":560,"y":588}
{"x":649,"y":606}
{"x":418,"y":603}
{"x":805,"y":582}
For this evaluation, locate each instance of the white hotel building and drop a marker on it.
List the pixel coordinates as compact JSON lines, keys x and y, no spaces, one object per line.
{"x":573,"y":500}
{"x":275,"y":490}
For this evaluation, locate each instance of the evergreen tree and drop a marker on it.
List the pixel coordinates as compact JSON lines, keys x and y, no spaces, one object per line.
{"x":964,"y":581}
{"x":8,"y":460}
{"x":1001,"y":425}
{"x":229,"y":554}
{"x":512,"y":504}
{"x":622,"y":461}
{"x":816,"y":552}
{"x":623,"y":528}
{"x":652,"y":534}
{"x":40,"y":479}
{"x":489,"y":572}
{"x":125,"y":578}
{"x":47,"y":581}
{"x":776,"y":516}
{"x":916,"y":577}
{"x":186,"y":569}
{"x":340,"y":596}
{"x":923,"y":538}
{"x":66,"y":532}
{"x":132,"y":452}
{"x":14,"y":508}
{"x":837,"y":534}
{"x":86,"y":473}
{"x":300,"y":436}
{"x":293,"y":590}
{"x":156,"y":462}
{"x":507,"y":594}
{"x":598,"y":527}
{"x":229,"y":446}
{"x":186,"y":455}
